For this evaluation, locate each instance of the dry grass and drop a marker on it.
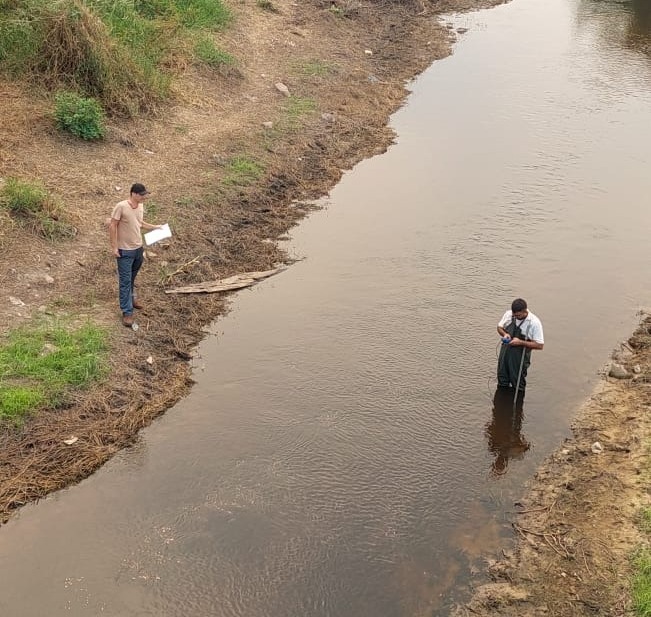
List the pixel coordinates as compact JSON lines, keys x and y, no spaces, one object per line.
{"x":78,"y":52}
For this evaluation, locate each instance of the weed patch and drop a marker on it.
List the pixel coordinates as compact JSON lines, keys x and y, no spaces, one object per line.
{"x":315,"y":68}
{"x":267,"y":5}
{"x":642,"y":583}
{"x":35,"y":208}
{"x":295,"y":108}
{"x":208,"y":53}
{"x":242,"y":171}
{"x":40,"y":366}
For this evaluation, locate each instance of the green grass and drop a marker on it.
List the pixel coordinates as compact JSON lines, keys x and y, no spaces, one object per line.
{"x":207,"y":52}
{"x":242,"y":171}
{"x":41,"y":365}
{"x":295,"y":109}
{"x":315,"y":68}
{"x":641,"y":591}
{"x":32,"y":205}
{"x":122,"y":52}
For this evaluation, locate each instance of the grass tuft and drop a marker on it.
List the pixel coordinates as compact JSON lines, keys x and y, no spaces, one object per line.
{"x":121,"y":52}
{"x":35,"y":208}
{"x":267,"y":5}
{"x":208,"y":53}
{"x":41,"y":366}
{"x":295,"y":108}
{"x":642,"y":583}
{"x":242,"y":171}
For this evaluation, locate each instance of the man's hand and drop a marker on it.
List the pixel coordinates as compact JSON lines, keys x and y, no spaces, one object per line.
{"x":116,"y":252}
{"x":516,"y":342}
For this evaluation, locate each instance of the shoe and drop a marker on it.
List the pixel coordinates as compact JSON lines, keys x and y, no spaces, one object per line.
{"x":138,"y":305}
{"x":127,"y":320}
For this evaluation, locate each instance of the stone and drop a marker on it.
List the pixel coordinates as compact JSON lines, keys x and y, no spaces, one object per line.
{"x":282,"y":88}
{"x":618,"y":371}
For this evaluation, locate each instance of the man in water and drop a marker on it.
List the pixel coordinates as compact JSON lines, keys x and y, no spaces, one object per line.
{"x":521,"y":331}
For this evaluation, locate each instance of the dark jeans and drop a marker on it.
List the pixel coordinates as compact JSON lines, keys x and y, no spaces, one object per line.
{"x":129,"y":263}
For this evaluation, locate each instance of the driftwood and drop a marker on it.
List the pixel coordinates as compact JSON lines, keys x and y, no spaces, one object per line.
{"x":238,"y":281}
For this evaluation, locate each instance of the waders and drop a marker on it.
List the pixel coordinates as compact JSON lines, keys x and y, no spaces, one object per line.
{"x":513,"y":362}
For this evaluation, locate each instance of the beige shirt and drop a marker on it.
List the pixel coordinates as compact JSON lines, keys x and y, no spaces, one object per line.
{"x":129,"y":235}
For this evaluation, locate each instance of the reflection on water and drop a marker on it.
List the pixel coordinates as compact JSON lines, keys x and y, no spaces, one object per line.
{"x":503,"y":432}
{"x":623,"y":23}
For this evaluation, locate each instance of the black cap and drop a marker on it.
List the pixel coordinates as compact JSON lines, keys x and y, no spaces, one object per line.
{"x":139,"y":189}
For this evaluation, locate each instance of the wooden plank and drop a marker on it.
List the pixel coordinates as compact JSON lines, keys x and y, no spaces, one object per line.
{"x":237,"y":281}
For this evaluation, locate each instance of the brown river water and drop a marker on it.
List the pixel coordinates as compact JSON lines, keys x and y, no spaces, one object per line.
{"x":339,"y":455}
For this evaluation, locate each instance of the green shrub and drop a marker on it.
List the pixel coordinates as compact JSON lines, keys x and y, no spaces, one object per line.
{"x":81,"y":116}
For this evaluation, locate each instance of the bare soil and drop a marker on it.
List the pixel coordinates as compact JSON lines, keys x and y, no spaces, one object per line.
{"x":351,"y":64}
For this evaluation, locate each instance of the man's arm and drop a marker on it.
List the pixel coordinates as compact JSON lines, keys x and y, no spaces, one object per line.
{"x":113,"y":236}
{"x":149,"y":226}
{"x":518,"y":342}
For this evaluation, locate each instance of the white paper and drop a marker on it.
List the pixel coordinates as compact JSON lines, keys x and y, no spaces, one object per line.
{"x":158,"y":234}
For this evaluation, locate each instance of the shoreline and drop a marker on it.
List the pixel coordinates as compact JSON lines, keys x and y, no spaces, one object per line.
{"x":578,"y":522}
{"x":347,"y":71}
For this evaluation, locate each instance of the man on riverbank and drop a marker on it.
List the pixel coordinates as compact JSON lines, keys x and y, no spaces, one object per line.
{"x":126,"y":243}
{"x":521,"y":331}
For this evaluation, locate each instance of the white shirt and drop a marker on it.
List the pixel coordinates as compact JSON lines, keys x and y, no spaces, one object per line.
{"x":530,"y":326}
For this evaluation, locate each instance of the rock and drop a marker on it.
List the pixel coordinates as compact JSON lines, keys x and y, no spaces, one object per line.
{"x":326,"y":117}
{"x":373,"y":79}
{"x":637,"y":369}
{"x":282,"y":88}
{"x":618,"y":371}
{"x":496,"y":594}
{"x":596,"y":448}
{"x":16,"y":301}
{"x":268,"y":125}
{"x":462,"y":30}
{"x":48,"y":348}
{"x":368,"y":52}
